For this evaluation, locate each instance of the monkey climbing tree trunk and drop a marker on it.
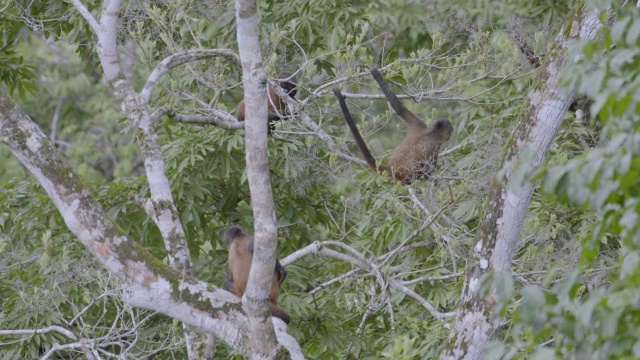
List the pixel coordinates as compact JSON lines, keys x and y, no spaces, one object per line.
{"x":509,"y":196}
{"x":256,"y":297}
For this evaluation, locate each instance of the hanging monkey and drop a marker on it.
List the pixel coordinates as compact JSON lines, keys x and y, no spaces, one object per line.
{"x":240,"y":246}
{"x":416,"y":156}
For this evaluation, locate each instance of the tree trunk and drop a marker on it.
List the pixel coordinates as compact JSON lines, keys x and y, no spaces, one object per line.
{"x":160,"y":207}
{"x":146,"y":281}
{"x":256,"y":297}
{"x":510,"y":195}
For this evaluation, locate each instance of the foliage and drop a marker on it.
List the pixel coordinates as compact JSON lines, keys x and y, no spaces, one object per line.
{"x":14,"y":72}
{"x":457,"y":59}
{"x":593,"y":312}
{"x":47,"y":279}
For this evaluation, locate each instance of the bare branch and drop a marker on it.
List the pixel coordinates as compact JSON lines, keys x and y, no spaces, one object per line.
{"x":56,"y":118}
{"x":438,"y":315}
{"x":86,"y":14}
{"x":430,"y":278}
{"x":330,"y":143}
{"x":147,"y":283}
{"x":58,"y":347}
{"x":48,"y":329}
{"x":179,"y":59}
{"x":509,"y":198}
{"x":218,"y":118}
{"x":155,"y":116}
{"x":333,"y":281}
{"x":319,"y":247}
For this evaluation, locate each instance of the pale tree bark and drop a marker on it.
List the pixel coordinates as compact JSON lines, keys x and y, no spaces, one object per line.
{"x":510,"y":195}
{"x":161,"y":206}
{"x":150,"y":285}
{"x":254,"y":78}
{"x":146,"y":282}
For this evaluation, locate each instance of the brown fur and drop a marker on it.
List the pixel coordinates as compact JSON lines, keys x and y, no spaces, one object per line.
{"x":240,"y":246}
{"x":276,"y":107}
{"x":417,"y":155}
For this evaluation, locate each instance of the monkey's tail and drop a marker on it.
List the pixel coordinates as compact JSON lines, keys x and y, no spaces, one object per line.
{"x":354,"y":130}
{"x":397,"y":106}
{"x":279,"y":312}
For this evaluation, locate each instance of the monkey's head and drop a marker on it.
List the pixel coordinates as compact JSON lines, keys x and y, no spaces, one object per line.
{"x":443,"y":129}
{"x":232,"y":233}
{"x":289,"y":83}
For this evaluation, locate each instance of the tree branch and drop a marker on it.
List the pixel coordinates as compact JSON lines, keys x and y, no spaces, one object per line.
{"x":45,"y":330}
{"x":510,"y":196}
{"x":86,"y":14}
{"x":146,"y":282}
{"x":256,"y":297}
{"x":218,"y":118}
{"x":357,"y":259}
{"x":179,"y":59}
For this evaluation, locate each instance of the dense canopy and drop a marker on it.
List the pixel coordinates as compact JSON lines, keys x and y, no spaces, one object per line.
{"x":123,"y":163}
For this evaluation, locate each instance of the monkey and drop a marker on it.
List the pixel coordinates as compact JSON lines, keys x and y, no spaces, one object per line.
{"x":240,"y":245}
{"x":276,"y":107}
{"x":416,"y":156}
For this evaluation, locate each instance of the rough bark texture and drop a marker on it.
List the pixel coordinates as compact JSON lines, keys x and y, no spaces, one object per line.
{"x":135,"y":107}
{"x":164,"y":213}
{"x":144,"y":275}
{"x":148,"y":283}
{"x":509,"y":197}
{"x":256,"y":297}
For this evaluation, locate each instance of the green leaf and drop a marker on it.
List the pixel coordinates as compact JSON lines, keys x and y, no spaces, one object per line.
{"x":630,"y":265}
{"x":544,"y":353}
{"x":619,"y":29}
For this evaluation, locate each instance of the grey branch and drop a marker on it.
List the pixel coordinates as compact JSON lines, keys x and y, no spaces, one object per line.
{"x":179,"y":59}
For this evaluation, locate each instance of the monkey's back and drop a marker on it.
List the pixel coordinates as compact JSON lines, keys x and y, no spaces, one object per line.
{"x":416,"y":155}
{"x":240,"y":264}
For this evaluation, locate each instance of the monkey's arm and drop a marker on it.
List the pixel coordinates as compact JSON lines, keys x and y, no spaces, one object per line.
{"x":354,"y":130}
{"x":240,"y":111}
{"x":397,"y":106}
{"x":434,"y":161}
{"x":273,"y":117}
{"x":280,"y":272}
{"x":275,"y":106}
{"x":279,"y":269}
